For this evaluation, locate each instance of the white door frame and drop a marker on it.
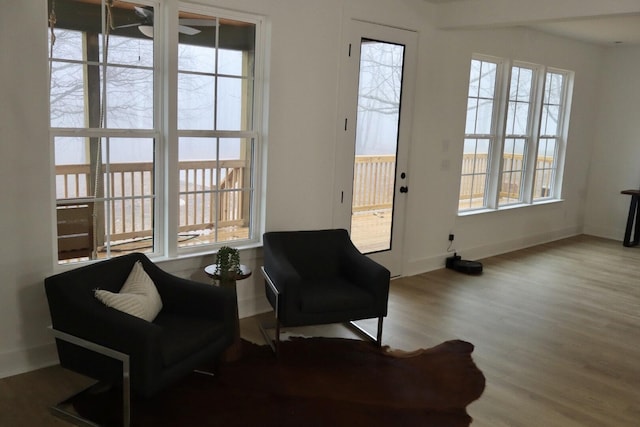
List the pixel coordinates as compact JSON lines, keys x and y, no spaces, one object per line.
{"x":353,"y":32}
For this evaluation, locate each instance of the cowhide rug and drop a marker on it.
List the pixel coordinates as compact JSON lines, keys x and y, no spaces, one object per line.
{"x":313,"y":382}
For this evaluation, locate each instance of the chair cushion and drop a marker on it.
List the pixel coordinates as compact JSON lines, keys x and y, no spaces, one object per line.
{"x":183,"y":336}
{"x":332,"y":295}
{"x":137,"y":297}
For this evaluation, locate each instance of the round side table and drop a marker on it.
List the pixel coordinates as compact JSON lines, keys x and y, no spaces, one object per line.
{"x":210,"y":270}
{"x":235,"y":349}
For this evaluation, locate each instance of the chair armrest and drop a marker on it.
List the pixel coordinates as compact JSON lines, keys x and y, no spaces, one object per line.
{"x":366,"y":273}
{"x":191,"y":298}
{"x":105,"y":325}
{"x":280,"y":274}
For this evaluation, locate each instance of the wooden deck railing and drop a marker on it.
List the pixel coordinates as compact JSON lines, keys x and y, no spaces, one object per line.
{"x":471,"y":188}
{"x":373,"y":180}
{"x":131,"y":187}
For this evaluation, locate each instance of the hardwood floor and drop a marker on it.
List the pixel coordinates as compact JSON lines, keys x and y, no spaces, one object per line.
{"x":556,"y":330}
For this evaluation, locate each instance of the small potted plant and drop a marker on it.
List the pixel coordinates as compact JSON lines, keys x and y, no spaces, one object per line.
{"x":227,"y":265}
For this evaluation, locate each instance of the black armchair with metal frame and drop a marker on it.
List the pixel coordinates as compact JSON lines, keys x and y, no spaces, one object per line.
{"x":319,"y":277}
{"x":193,"y":328}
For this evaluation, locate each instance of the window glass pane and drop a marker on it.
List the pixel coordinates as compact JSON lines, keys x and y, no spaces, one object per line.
{"x":521,"y":80}
{"x":77,"y":77}
{"x":513,"y":166}
{"x":474,"y":78}
{"x":71,"y":167}
{"x":67,"y":108}
{"x":519,"y":101}
{"x":215,"y":189}
{"x":67,"y":45}
{"x":129,"y":98}
{"x":196,"y":94}
{"x":545,"y":168}
{"x":547,"y":149}
{"x":481,"y":156}
{"x":217,"y":100}
{"x":475,"y":165}
{"x":472,"y":113}
{"x":230,"y":104}
{"x":204,"y":149}
{"x":546,"y":162}
{"x":196,"y":58}
{"x":129,"y":181}
{"x":517,"y":118}
{"x":237,"y":48}
{"x":230,"y":62}
{"x":130,"y":150}
{"x":484,"y":118}
{"x":550,"y":114}
{"x":554,"y":85}
{"x":480,"y":104}
{"x":134,"y":51}
{"x":130,"y":226}
{"x":510,"y":190}
{"x":117,"y":203}
{"x":488,"y":80}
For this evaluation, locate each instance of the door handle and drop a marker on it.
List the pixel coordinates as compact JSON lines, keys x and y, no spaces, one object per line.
{"x":404,"y":189}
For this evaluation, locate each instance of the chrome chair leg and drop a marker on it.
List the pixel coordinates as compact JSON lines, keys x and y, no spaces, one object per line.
{"x":58,"y":409}
{"x":377,"y":339}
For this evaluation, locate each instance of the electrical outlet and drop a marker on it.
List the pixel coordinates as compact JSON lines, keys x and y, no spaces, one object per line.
{"x":451,"y":236}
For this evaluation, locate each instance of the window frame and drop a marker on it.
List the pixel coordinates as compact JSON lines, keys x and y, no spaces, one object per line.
{"x":492,"y":136}
{"x":560,"y":136}
{"x":165,"y":133}
{"x":495,"y":165}
{"x":256,"y":223}
{"x":528,"y":136}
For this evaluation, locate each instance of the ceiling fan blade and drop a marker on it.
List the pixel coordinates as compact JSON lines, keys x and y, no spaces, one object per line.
{"x":198,"y":22}
{"x":190,"y":31}
{"x":126,"y":26}
{"x":147,"y":30}
{"x":144,"y":13}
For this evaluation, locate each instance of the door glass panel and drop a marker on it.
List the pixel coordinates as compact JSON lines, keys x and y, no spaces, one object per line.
{"x":378,"y":118}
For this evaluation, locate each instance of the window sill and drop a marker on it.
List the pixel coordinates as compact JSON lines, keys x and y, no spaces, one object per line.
{"x":509,"y":207}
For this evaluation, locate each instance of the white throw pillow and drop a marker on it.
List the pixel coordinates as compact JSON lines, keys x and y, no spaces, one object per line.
{"x":138,"y":296}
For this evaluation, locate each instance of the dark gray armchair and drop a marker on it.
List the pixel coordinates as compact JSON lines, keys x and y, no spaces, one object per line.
{"x":196,"y":324}
{"x":319,"y":277}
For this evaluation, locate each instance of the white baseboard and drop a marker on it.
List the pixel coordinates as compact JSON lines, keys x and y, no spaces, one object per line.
{"x":613,"y":233}
{"x":424,"y":265}
{"x":21,"y":361}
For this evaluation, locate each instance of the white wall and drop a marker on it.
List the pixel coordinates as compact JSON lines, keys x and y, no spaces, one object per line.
{"x":438,"y":146}
{"x":303,"y":94}
{"x":615,"y":163}
{"x":25,"y":222}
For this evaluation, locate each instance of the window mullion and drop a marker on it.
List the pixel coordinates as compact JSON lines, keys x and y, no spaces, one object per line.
{"x":500,"y":125}
{"x":533,"y":145}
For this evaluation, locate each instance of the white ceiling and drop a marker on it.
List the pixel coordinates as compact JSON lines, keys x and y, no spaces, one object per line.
{"x":603,"y":30}
{"x":606,"y":30}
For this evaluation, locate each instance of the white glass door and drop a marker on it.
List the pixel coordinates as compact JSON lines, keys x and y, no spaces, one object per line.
{"x":373,"y":177}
